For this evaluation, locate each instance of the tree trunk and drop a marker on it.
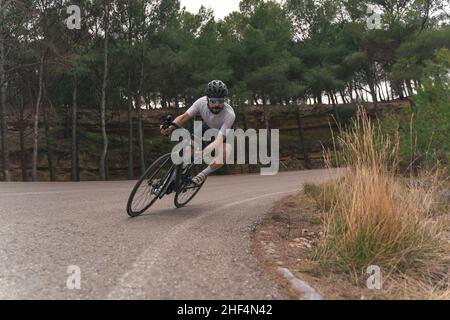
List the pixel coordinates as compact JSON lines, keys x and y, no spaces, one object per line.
{"x":301,"y":135}
{"x":343,"y":97}
{"x":350,"y":92}
{"x":409,"y":88}
{"x":335,"y":97}
{"x":387,"y":89}
{"x":74,"y":170}
{"x":130,"y":131}
{"x":36,"y":121}
{"x":23,"y":152}
{"x":3,"y":123}
{"x":130,"y":101}
{"x":354,"y":87}
{"x":244,"y":123}
{"x":333,"y":103}
{"x":393,"y":87}
{"x":107,"y":167}
{"x":399,"y":88}
{"x":373,"y":93}
{"x":380,"y":93}
{"x":103,"y":173}
{"x":140,"y":127}
{"x":51,"y":172}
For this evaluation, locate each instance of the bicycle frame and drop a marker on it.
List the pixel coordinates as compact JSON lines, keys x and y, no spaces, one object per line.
{"x":175,"y":178}
{"x":174,"y":175}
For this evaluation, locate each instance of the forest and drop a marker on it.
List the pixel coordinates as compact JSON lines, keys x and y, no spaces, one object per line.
{"x":139,"y":56}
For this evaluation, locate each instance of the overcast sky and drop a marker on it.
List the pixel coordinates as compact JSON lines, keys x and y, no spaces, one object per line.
{"x":221,"y":8}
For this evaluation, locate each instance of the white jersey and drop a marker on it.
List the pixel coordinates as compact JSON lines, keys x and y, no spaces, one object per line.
{"x":222,"y":121}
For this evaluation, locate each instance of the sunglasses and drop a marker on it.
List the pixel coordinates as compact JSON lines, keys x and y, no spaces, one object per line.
{"x":219,"y":101}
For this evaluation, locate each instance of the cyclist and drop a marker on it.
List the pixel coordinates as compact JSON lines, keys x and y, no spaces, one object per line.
{"x":216,"y":114}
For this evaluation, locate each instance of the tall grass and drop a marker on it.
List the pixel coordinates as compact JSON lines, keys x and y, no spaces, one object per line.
{"x":372,"y":217}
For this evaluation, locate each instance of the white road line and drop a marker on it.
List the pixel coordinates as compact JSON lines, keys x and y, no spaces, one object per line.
{"x":134,"y":279}
{"x":255,"y":198}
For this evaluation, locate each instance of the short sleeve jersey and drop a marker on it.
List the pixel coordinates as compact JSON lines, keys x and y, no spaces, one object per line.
{"x":221,"y":121}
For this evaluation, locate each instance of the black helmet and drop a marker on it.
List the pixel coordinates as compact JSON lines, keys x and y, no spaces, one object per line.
{"x":216,"y":89}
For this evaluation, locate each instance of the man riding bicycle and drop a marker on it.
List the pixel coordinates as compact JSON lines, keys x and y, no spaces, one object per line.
{"x":216,"y":114}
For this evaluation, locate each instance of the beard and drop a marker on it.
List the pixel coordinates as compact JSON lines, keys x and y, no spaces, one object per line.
{"x":215,"y":111}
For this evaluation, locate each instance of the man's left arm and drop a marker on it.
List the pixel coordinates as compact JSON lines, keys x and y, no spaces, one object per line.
{"x":227,"y":124}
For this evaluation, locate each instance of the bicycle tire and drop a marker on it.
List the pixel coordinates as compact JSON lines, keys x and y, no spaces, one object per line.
{"x":192,"y":171}
{"x":149,"y":174}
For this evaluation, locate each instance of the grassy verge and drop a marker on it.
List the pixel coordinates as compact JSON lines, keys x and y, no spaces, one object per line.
{"x":371,"y":216}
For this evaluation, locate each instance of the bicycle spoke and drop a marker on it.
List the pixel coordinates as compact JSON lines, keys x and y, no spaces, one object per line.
{"x":143,"y":194}
{"x":188,"y":190}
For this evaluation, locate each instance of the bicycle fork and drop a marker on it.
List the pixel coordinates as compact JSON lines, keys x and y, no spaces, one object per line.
{"x":171,"y":178}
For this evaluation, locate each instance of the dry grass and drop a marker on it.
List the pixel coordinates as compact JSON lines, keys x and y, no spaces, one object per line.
{"x":416,"y":287}
{"x":374,"y":218}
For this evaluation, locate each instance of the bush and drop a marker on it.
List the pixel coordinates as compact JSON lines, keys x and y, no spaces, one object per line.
{"x":425,"y":131}
{"x":372,"y":217}
{"x":347,"y":112}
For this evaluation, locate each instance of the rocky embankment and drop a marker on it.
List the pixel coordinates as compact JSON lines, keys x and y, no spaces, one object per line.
{"x":316,"y":121}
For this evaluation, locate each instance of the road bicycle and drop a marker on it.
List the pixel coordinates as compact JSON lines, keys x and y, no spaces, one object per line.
{"x":163,"y":177}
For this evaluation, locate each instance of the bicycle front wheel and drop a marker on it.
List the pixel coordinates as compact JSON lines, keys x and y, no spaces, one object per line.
{"x":149,"y":187}
{"x":188,"y":190}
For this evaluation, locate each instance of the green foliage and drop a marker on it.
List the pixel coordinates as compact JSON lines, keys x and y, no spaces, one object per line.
{"x":301,"y":49}
{"x":347,"y":113}
{"x":433,"y":109}
{"x":276,"y":53}
{"x":412,"y":54}
{"x":424,"y":131}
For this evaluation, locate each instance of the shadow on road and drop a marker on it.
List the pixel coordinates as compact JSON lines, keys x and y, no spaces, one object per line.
{"x":191,"y":211}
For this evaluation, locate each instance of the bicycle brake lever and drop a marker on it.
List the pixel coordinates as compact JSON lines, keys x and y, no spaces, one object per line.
{"x":167,"y":121}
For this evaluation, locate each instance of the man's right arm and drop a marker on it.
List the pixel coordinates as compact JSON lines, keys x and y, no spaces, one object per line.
{"x":180,"y":120}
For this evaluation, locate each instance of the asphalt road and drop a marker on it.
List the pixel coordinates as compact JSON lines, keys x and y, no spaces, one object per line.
{"x":202,"y":251}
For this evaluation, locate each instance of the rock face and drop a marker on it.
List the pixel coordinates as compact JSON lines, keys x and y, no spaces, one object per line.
{"x":317,"y":121}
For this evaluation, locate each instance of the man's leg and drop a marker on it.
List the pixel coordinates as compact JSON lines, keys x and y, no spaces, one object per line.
{"x":216,"y":164}
{"x":192,"y":147}
{"x":187,"y":151}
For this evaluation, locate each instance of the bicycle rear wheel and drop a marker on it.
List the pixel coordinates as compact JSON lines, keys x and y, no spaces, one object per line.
{"x":188,"y":190}
{"x":149,"y":187}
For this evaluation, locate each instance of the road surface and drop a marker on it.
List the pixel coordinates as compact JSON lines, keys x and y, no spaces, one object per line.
{"x":202,"y":251}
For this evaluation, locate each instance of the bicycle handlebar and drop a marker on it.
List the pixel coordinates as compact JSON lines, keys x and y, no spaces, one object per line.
{"x":168,"y":121}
